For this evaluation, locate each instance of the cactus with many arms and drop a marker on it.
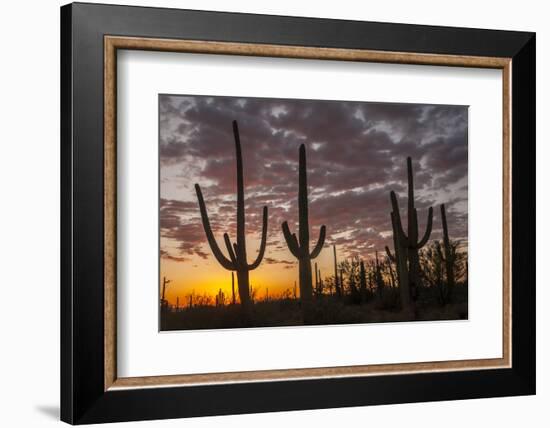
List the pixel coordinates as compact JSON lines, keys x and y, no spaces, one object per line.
{"x":408,"y":244}
{"x":237,"y":260}
{"x":299,"y":246}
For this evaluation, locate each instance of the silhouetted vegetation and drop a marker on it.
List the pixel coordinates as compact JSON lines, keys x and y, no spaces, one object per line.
{"x":407,"y":246}
{"x":419,"y":280}
{"x":237,"y":251}
{"x":378,"y":300}
{"x":299,"y":247}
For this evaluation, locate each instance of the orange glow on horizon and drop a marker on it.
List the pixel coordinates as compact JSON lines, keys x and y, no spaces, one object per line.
{"x":199,"y":276}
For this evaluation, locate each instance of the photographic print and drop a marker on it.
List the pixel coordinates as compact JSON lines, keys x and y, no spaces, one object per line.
{"x":288,"y":212}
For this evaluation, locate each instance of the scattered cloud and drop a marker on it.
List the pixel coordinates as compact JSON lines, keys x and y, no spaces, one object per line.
{"x":356,"y":154}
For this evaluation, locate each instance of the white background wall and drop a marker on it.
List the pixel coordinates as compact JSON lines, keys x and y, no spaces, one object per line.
{"x":29,"y":214}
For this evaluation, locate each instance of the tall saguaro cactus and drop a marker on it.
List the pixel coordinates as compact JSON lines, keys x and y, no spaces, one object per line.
{"x":237,"y":260}
{"x":337,"y":285}
{"x":299,"y":247}
{"x":407,"y":244}
{"x":449,"y":254}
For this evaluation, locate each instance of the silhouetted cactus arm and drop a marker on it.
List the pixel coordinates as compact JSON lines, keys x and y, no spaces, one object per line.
{"x":320,"y":242}
{"x":232,"y":254}
{"x":263,"y":243}
{"x":227,"y":264}
{"x":291,"y":241}
{"x":303,"y":216}
{"x":410,"y":180}
{"x":428,"y":229}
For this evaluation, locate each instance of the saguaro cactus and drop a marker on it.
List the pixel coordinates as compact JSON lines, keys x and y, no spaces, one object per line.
{"x":163,"y":301}
{"x":237,"y":251}
{"x":407,"y":244}
{"x":299,"y":247}
{"x":449,"y":255}
{"x":337,"y":284}
{"x":378,"y":278}
{"x":318,"y":282}
{"x":401,"y":267}
{"x":220,"y":298}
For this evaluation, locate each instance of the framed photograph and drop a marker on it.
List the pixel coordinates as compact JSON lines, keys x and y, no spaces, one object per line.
{"x":267,"y":213}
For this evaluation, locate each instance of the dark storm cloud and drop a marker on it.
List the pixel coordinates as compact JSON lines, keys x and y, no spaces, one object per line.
{"x":356,"y":154}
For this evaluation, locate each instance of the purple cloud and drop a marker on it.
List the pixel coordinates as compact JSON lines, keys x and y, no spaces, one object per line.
{"x":356,"y":154}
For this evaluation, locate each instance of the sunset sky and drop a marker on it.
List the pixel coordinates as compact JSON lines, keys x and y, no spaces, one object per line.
{"x":356,"y":154}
